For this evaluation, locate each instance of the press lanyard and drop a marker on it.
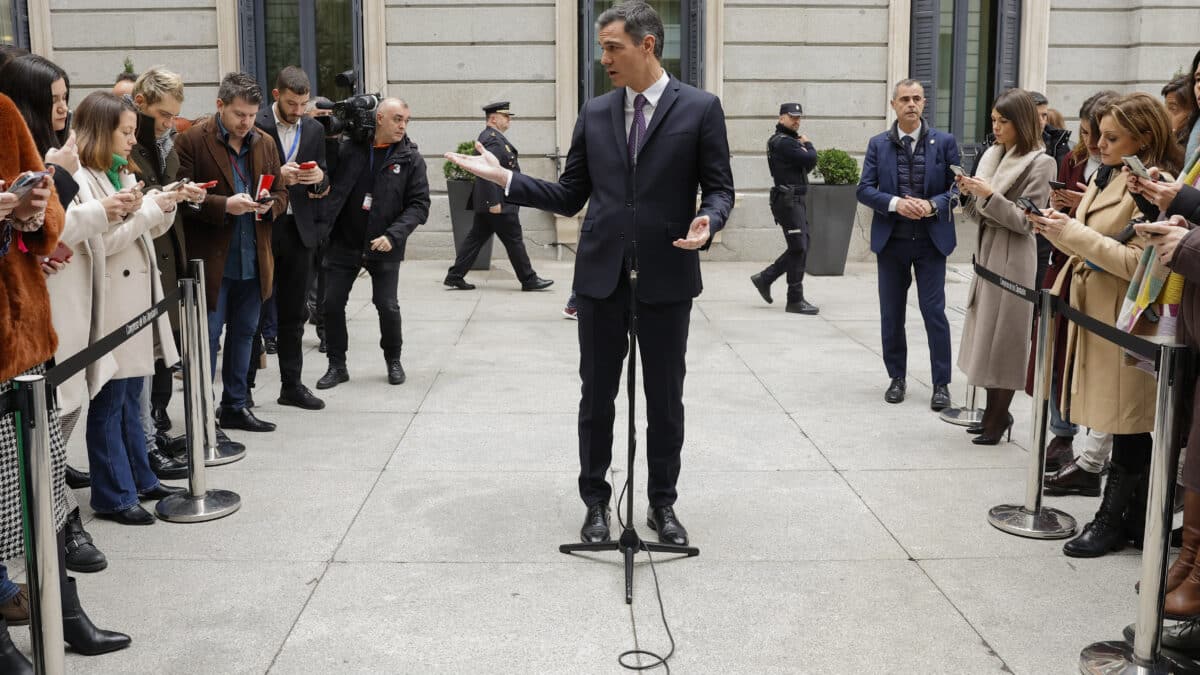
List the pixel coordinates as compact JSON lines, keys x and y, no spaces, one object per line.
{"x":237,"y":169}
{"x":291,"y":155}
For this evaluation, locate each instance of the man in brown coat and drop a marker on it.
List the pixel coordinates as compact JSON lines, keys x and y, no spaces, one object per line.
{"x":232,"y":230}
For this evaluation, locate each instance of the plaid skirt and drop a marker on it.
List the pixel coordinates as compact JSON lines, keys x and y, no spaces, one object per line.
{"x":12,"y":536}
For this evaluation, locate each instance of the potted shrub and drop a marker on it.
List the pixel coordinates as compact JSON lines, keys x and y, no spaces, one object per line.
{"x":459,"y":184}
{"x":832,"y":206}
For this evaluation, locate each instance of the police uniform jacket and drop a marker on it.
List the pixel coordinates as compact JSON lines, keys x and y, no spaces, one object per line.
{"x":790,"y":160}
{"x":487,"y":194}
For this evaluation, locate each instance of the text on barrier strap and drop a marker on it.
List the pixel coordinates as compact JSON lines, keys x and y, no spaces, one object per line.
{"x":63,"y":371}
{"x":1120,"y":338}
{"x":1026,"y":294}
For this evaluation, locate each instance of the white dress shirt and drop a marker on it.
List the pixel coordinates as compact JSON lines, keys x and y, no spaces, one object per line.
{"x":914,"y":135}
{"x":287,"y":137}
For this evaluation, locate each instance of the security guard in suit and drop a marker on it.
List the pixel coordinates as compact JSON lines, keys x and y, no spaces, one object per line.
{"x":493,"y":215}
{"x":790,"y":156}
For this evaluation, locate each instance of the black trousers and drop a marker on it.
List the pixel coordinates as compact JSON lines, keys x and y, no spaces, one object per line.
{"x":162,"y":385}
{"x":341,"y":269}
{"x":507,"y":228}
{"x":603,"y":345}
{"x":790,"y":214}
{"x":293,"y":271}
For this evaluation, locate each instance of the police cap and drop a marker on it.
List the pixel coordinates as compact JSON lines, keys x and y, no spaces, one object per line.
{"x":792,"y":109}
{"x":498,"y":107}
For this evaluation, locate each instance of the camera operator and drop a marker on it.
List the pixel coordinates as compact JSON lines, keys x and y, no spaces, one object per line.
{"x":379,"y":196}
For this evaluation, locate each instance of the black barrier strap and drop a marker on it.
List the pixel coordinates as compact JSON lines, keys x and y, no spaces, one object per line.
{"x":9,"y":403}
{"x":1026,"y":294}
{"x":63,"y":371}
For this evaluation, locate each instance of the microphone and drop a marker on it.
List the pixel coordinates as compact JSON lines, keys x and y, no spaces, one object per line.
{"x":325,"y":105}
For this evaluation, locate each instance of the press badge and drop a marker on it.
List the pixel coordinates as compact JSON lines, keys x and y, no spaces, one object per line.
{"x":366,"y":202}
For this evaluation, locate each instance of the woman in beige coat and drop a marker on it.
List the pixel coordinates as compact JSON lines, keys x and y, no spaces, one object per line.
{"x":995,"y":342}
{"x":1099,"y":390}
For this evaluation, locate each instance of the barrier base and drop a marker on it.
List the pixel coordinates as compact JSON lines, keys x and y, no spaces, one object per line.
{"x":963,"y":417}
{"x":224,"y":453}
{"x":1113,"y":658}
{"x":1044,"y":524}
{"x":209,"y":506}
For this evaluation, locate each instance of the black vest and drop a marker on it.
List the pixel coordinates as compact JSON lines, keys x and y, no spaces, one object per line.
{"x":910,"y":171}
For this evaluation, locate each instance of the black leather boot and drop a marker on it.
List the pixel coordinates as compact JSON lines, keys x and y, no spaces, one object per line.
{"x":81,"y":552}
{"x":1107,"y":531}
{"x":12,"y":661}
{"x":796,"y":304}
{"x":76,"y":479}
{"x":79,"y":631}
{"x":1135,"y":513}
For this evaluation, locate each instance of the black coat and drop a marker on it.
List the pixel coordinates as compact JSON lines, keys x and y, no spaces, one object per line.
{"x":305,"y":209}
{"x":485,"y":193}
{"x":400,"y":198}
{"x":685,"y":151}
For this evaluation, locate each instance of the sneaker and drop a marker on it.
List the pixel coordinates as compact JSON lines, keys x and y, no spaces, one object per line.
{"x":570,"y":312}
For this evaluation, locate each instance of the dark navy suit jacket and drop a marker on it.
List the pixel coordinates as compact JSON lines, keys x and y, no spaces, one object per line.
{"x":879,"y":184}
{"x":685,"y":151}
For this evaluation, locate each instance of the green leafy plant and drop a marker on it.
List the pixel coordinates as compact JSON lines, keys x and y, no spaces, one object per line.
{"x":836,"y":167}
{"x":129,"y":65}
{"x":453,"y":171}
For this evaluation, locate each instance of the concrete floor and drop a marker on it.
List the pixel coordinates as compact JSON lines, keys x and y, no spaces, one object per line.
{"x":414,"y":529}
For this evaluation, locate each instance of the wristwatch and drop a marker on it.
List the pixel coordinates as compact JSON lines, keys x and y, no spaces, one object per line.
{"x":932,"y":208}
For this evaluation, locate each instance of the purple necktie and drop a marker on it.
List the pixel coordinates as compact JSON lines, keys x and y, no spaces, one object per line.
{"x":637,"y":132}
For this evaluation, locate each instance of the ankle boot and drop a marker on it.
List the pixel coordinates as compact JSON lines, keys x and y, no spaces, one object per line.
{"x":79,"y":631}
{"x":1106,"y":532}
{"x":12,"y":661}
{"x":81,"y":552}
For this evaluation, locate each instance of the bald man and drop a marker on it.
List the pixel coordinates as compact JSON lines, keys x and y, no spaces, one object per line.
{"x":379,"y":196}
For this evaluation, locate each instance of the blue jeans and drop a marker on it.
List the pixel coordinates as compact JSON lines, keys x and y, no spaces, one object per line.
{"x":116,"y":447}
{"x":1059,"y":426}
{"x":238,"y":306}
{"x":8,"y":590}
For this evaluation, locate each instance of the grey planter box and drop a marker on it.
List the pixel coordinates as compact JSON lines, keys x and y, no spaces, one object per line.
{"x":461,"y":218}
{"x":831,"y":211}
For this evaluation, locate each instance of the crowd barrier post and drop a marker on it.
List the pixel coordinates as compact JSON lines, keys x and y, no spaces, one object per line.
{"x":1145,"y":655}
{"x":199,"y":503}
{"x":1031,"y":519}
{"x":215,"y":454}
{"x":966,"y":415}
{"x":41,"y":541}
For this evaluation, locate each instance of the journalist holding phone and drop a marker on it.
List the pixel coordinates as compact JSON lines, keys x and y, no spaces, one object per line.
{"x":1101,"y":391}
{"x":1013,"y":174}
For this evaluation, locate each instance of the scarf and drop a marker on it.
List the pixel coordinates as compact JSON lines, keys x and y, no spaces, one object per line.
{"x":1103,"y":175}
{"x":1151,"y":306}
{"x":1193,"y":145}
{"x":1002,"y":168}
{"x":114,"y":172}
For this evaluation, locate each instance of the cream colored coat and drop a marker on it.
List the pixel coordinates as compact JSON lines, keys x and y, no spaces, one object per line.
{"x":1104,"y":393}
{"x":131,"y":280}
{"x":995,"y":344}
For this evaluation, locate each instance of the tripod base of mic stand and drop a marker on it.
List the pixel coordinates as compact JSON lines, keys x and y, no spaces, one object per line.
{"x":629,"y":544}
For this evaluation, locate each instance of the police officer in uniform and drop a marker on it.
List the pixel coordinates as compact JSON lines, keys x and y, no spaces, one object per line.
{"x":790,"y":156}
{"x":493,"y":215}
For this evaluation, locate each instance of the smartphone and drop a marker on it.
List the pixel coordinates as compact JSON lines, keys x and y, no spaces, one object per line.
{"x":1147,"y":229}
{"x":958,"y":170}
{"x":26,"y":182}
{"x":266,"y":200}
{"x":1027,"y":204}
{"x":308,"y":166}
{"x":207,"y":186}
{"x":62,"y":253}
{"x":177,"y":185}
{"x":1056,"y":185}
{"x":1136,"y":167}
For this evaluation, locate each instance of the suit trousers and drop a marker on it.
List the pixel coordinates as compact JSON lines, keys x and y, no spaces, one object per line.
{"x":896,"y":264}
{"x":603,"y":345}
{"x":340,"y":274}
{"x":507,"y":228}
{"x":293,"y":271}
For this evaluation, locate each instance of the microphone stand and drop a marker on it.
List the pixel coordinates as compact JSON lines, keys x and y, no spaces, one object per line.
{"x":630,"y":543}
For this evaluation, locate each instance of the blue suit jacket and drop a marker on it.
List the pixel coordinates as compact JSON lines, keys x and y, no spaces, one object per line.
{"x":879,"y":184}
{"x":686,"y":150}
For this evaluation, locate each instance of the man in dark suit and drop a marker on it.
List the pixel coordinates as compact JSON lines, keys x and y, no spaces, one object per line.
{"x":639,"y":154}
{"x":295,"y":234}
{"x":494,"y":215}
{"x":907,"y":180}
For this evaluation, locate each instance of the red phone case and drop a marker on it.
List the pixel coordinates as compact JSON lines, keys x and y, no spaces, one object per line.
{"x":62,"y":253}
{"x":208,"y":186}
{"x":307,"y":166}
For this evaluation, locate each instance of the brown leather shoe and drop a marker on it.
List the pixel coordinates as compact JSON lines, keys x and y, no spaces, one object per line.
{"x":1059,"y":453}
{"x":1182,"y":566}
{"x":1073,"y":480}
{"x":1184,"y":601}
{"x":16,"y":610}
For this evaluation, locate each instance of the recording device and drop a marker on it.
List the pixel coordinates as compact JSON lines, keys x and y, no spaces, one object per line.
{"x":353,"y":116}
{"x":1027,"y":204}
{"x":958,"y":170}
{"x":207,"y":186}
{"x":61,"y":254}
{"x":26,"y":182}
{"x":1136,"y":167}
{"x":308,"y":166}
{"x":266,"y":200}
{"x":177,"y":185}
{"x":1057,"y":185}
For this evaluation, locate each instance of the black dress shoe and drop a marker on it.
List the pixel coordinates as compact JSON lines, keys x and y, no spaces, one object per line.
{"x":595,"y":525}
{"x":162,"y":421}
{"x":225,"y":443}
{"x":134,"y":515}
{"x":174,"y":447}
{"x":76,"y":479}
{"x":457,"y":283}
{"x":245,"y":420}
{"x":536,"y":284}
{"x":79,"y":631}
{"x":166,"y":468}
{"x":1060,"y":452}
{"x":802,"y":306}
{"x":940,"y":399}
{"x":764,"y":288}
{"x":271,"y":345}
{"x":81,"y":552}
{"x":895,"y":391}
{"x":662,"y":520}
{"x":160,"y":491}
{"x":300,"y":397}
{"x":395,"y":372}
{"x":333,"y":377}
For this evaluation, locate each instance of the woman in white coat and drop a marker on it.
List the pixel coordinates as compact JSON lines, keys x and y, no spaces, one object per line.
{"x":125,"y":273}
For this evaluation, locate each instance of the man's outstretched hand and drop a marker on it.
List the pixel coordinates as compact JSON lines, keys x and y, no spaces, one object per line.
{"x":697,"y":235}
{"x":485,"y":165}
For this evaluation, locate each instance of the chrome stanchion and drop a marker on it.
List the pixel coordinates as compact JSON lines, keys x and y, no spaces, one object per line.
{"x":1031,"y":519}
{"x":966,"y":415}
{"x":199,"y":503}
{"x":1144,"y":656}
{"x":215,"y":454}
{"x":41,"y":541}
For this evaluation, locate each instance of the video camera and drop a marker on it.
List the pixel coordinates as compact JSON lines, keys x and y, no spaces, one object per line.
{"x":354,"y":116}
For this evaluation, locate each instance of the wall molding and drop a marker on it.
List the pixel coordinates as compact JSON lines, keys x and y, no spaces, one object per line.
{"x":899,"y":24}
{"x":1035,"y":44}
